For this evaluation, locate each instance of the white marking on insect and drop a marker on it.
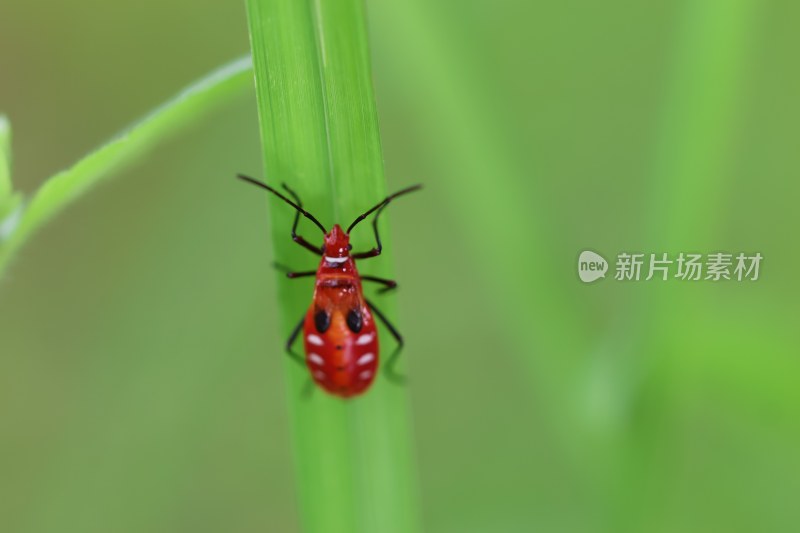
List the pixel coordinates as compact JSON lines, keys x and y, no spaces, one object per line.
{"x":316,"y":359}
{"x":320,"y":375}
{"x":366,"y":358}
{"x":315,"y":339}
{"x":366,"y":374}
{"x":366,"y":338}
{"x":330,"y":259}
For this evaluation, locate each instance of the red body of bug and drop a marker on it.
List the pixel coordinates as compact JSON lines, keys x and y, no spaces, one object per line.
{"x":339,"y":333}
{"x":341,"y":340}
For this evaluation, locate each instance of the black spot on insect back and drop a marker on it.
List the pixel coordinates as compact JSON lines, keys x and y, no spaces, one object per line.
{"x":322,"y":321}
{"x":354,"y":320}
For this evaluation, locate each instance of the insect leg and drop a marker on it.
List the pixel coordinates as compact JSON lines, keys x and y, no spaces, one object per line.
{"x":389,"y":368}
{"x":389,"y":284}
{"x":295,"y":237}
{"x":290,"y":341}
{"x":380,"y":207}
{"x":291,"y":275}
{"x":379,"y":246}
{"x":299,"y":211}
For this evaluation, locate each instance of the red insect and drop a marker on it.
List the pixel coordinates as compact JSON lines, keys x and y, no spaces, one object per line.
{"x":339,"y":334}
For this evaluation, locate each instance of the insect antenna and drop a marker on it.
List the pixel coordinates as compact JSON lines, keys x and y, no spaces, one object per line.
{"x":383,"y":204}
{"x":299,"y":209}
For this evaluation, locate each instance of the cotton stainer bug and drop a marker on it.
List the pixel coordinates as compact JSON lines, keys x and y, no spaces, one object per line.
{"x":339,"y":333}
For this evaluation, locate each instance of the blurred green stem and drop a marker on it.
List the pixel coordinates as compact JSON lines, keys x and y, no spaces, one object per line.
{"x":196,"y":101}
{"x":5,"y":158}
{"x":688,"y":185}
{"x":319,"y":129}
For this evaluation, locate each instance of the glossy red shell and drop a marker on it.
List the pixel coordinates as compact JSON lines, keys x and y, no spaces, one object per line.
{"x":341,"y":361}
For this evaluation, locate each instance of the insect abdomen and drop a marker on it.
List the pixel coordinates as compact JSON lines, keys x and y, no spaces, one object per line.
{"x":342,"y":361}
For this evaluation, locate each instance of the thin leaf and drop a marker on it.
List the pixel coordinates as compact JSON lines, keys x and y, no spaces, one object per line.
{"x":5,"y":158}
{"x":67,"y":186}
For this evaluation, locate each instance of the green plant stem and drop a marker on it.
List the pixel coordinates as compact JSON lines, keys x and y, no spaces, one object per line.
{"x":9,"y":200}
{"x":5,"y":158}
{"x":67,"y":186}
{"x":354,"y":463}
{"x":689,"y":181}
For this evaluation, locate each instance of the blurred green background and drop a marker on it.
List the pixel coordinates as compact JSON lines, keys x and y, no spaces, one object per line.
{"x":141,"y":383}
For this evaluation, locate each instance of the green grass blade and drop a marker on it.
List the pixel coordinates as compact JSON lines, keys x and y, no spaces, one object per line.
{"x":319,"y":130}
{"x":9,"y":200}
{"x":699,"y":121}
{"x":67,"y":186}
{"x":5,"y":158}
{"x":690,"y":186}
